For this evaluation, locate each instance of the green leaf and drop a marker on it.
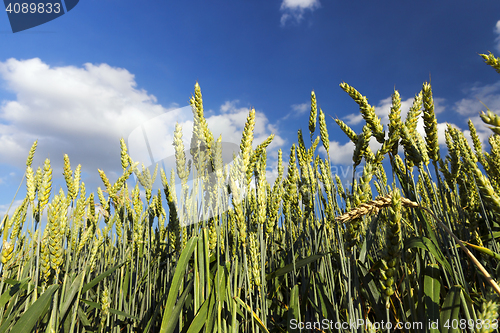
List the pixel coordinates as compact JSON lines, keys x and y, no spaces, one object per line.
{"x":450,"y":310}
{"x":484,"y":250}
{"x":432,"y":289}
{"x":255,"y":317}
{"x":200,"y":319}
{"x":221,"y":282}
{"x":326,"y":304}
{"x":298,"y":264}
{"x":70,"y":296}
{"x":152,"y":319}
{"x":174,"y":316}
{"x":24,"y":286}
{"x":101,"y":277}
{"x":294,"y":307}
{"x":369,"y":238}
{"x":210,"y":322}
{"x":426,"y":244}
{"x":373,"y":292}
{"x":36,"y":311}
{"x":12,"y":291}
{"x":176,"y":282}
{"x":83,"y":317}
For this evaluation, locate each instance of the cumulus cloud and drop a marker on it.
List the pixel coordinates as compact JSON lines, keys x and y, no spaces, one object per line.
{"x":84,"y":111}
{"x":497,"y":39}
{"x":81,"y":111}
{"x":478,"y":95}
{"x":341,"y":153}
{"x":294,"y":9}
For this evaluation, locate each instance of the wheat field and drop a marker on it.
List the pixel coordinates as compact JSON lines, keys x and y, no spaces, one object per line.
{"x":409,"y":246}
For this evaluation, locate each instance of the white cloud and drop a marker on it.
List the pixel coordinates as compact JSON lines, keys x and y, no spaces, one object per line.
{"x":353,"y":119}
{"x":340,"y":154}
{"x":294,"y":9}
{"x":297,"y":110}
{"x":301,"y":108}
{"x":84,"y":111}
{"x":231,"y":123}
{"x":497,"y":39}
{"x":81,"y":111}
{"x":302,"y":4}
{"x":228,"y":105}
{"x":476,"y":95}
{"x":472,"y":105}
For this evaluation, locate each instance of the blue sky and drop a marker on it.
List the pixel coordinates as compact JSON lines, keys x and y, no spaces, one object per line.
{"x":81,"y":82}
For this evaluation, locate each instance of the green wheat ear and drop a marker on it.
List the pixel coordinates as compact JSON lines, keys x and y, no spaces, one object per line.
{"x":414,"y":113}
{"x":492,"y":119}
{"x":323,"y":131}
{"x":29,"y":161}
{"x":45,"y":187}
{"x":476,"y":142}
{"x":314,"y":114}
{"x":30,"y":184}
{"x":430,"y":123}
{"x":492,"y":61}
{"x":347,"y":130}
{"x":123,"y":154}
{"x":394,"y":122}
{"x":367,"y":111}
{"x":68,"y":176}
{"x":488,"y":314}
{"x":362,"y":147}
{"x":246,"y":141}
{"x":7,"y":252}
